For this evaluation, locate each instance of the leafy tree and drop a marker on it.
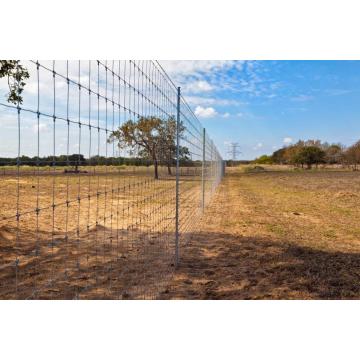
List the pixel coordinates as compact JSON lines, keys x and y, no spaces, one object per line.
{"x":152,"y":138}
{"x":142,"y":135}
{"x":352,"y":155}
{"x":15,"y":74}
{"x":167,"y":148}
{"x":278,"y":156}
{"x":310,"y":155}
{"x":292,"y":153}
{"x":334,"y":154}
{"x":263,"y":159}
{"x":77,"y":160}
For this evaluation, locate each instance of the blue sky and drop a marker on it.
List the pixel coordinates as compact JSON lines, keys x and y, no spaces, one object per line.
{"x":263,"y":105}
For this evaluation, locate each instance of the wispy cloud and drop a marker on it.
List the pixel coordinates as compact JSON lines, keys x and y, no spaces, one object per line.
{"x":337,"y":92}
{"x":258,"y":146}
{"x":205,"y":101}
{"x":287,"y":140}
{"x":302,"y":98}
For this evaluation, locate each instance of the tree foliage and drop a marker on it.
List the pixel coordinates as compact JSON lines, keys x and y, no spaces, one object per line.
{"x":16,"y":75}
{"x":263,"y":159}
{"x":352,"y":155}
{"x":151,"y":138}
{"x":309,"y":152}
{"x":309,"y":155}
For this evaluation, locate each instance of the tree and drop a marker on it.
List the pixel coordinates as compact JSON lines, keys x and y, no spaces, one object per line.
{"x":77,"y":160}
{"x":334,"y":154}
{"x":142,"y":135}
{"x":310,"y":155}
{"x":352,"y":155}
{"x":167,"y":146}
{"x":263,"y":159}
{"x":278,"y":156}
{"x":292,"y":153}
{"x":153,"y":139}
{"x":16,"y":74}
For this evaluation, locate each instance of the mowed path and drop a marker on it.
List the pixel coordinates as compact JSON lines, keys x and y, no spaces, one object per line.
{"x":281,"y":235}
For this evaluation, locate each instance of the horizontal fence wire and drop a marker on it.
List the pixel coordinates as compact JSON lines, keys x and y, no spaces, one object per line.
{"x":91,"y":171}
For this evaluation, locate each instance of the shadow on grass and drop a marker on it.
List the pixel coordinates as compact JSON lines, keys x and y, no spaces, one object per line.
{"x":224,"y":266}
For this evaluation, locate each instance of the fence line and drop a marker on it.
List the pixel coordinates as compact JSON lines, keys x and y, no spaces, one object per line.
{"x":106,"y":172}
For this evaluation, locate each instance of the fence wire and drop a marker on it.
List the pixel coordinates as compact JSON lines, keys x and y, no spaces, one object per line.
{"x":105,"y":171}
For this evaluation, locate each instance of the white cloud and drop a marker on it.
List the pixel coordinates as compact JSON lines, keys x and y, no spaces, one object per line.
{"x":287,"y":140}
{"x":239,"y":114}
{"x":226,"y":115}
{"x":205,"y":112}
{"x":198,"y":87}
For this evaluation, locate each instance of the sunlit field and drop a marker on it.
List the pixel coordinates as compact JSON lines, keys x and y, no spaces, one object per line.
{"x":105,"y":232}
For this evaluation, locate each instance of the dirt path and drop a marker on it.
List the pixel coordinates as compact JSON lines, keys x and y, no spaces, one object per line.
{"x":269,"y":237}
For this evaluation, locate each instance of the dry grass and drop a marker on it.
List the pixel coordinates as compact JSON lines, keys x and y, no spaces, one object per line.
{"x":280,"y":234}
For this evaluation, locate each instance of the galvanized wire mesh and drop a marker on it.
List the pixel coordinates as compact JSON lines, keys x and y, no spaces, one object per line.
{"x":81,"y":216}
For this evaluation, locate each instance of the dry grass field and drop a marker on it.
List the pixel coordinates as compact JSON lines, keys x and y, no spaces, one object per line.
{"x":276,"y":234}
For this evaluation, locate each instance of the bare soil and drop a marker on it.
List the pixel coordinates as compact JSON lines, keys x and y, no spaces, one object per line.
{"x":104,"y":234}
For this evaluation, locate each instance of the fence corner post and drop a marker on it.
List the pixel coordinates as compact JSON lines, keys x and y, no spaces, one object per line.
{"x":177,"y":178}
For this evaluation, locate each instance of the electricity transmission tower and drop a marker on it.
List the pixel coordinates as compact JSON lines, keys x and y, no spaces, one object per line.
{"x":234,"y":150}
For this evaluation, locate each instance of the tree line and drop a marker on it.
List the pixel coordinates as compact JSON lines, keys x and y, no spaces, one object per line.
{"x":72,"y":160}
{"x":314,"y":152}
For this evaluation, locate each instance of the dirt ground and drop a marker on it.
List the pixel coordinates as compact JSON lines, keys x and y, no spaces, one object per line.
{"x":281,"y":234}
{"x":106,"y":234}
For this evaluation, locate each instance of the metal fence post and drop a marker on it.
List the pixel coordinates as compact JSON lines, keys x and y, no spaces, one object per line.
{"x":177,"y":179}
{"x":203,"y":172}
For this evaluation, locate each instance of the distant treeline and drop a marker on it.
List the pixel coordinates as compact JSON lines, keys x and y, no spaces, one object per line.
{"x":76,"y":160}
{"x":237,"y":162}
{"x":314,"y":152}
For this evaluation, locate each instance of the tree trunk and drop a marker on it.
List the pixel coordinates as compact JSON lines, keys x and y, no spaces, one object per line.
{"x":169,"y":169}
{"x":156,"y":173}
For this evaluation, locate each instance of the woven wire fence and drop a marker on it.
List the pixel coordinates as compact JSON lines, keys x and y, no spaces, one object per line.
{"x":105,"y":174}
